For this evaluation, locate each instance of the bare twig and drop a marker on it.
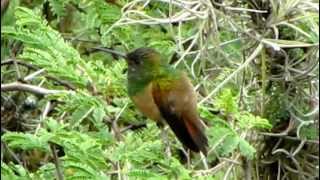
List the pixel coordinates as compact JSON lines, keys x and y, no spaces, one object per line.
{"x":33,"y":75}
{"x":245,"y":64}
{"x":11,"y":61}
{"x":239,"y":9}
{"x":283,"y":133}
{"x":2,"y":153}
{"x":56,"y":162}
{"x":82,"y":40}
{"x":17,"y":68}
{"x":247,"y":169}
{"x":43,"y":116}
{"x":302,"y":143}
{"x":30,"y":66}
{"x":114,"y":124}
{"x":17,"y":86}
{"x":119,"y":170}
{"x":4,"y":6}
{"x":279,"y":170}
{"x":230,"y":168}
{"x":211,"y":170}
{"x":14,"y":156}
{"x":230,"y":160}
{"x":204,"y":161}
{"x":113,"y":52}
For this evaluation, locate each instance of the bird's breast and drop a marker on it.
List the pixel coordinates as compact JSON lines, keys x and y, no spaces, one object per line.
{"x":144,"y":101}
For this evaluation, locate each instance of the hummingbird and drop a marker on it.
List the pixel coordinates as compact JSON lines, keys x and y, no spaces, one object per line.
{"x":165,"y":95}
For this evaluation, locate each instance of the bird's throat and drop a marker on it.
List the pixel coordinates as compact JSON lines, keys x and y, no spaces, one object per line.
{"x":139,"y":79}
{"x":137,"y":82}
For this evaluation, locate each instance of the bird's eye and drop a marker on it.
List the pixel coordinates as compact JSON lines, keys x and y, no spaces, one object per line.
{"x":136,"y":61}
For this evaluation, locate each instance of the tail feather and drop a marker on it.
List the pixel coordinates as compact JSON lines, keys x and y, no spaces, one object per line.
{"x":182,"y":120}
{"x":188,"y":133}
{"x":198,"y":136}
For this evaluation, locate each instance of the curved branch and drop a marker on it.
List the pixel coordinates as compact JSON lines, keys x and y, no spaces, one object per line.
{"x":17,"y":86}
{"x":241,"y":67}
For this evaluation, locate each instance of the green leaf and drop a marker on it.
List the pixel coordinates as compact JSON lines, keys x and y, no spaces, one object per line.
{"x":142,"y":174}
{"x":79,"y":170}
{"x":19,"y":171}
{"x":226,"y":102}
{"x":58,"y":6}
{"x":79,"y":114}
{"x":53,"y":125}
{"x":309,"y":132}
{"x":25,"y":141}
{"x":247,"y":121}
{"x":246,"y":149}
{"x":45,"y":48}
{"x":47,"y":171}
{"x":98,"y":114}
{"x":229,"y":145}
{"x":7,"y":172}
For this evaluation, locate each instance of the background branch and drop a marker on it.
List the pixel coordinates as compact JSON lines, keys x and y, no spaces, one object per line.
{"x":17,"y":86}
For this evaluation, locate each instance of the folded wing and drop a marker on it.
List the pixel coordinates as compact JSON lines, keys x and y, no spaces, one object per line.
{"x":176,"y":101}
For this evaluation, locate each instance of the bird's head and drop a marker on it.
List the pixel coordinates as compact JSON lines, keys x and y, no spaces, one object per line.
{"x":141,"y":62}
{"x":143,"y":59}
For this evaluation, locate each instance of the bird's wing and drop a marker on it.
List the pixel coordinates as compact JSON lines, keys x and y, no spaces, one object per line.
{"x":176,"y":101}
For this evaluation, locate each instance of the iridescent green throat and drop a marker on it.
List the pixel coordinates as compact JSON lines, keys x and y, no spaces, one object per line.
{"x":163,"y":75}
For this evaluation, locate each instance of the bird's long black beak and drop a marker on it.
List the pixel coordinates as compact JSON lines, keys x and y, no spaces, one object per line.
{"x":113,"y":52}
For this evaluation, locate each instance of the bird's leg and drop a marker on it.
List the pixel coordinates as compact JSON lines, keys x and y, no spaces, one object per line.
{"x":165,"y":138}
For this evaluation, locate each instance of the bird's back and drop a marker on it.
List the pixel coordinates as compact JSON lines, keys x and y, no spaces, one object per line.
{"x":177,"y":104}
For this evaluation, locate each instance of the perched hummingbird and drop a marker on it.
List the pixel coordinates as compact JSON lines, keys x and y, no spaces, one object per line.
{"x":164,"y":94}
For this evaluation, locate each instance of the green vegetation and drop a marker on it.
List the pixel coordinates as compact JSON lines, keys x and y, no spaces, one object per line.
{"x":65,"y":112}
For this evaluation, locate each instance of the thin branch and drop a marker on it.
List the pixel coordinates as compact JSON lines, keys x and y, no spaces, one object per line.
{"x":247,"y":169}
{"x":14,"y":156}
{"x":299,"y":148}
{"x":114,"y":124}
{"x":11,"y":61}
{"x":17,"y":68}
{"x":283,"y":133}
{"x":204,"y":160}
{"x":33,"y":75}
{"x":239,"y":9}
{"x":231,"y":161}
{"x":230,"y":168}
{"x":17,"y":86}
{"x":113,"y":52}
{"x":44,"y":115}
{"x":245,"y":64}
{"x":279,"y":170}
{"x":30,"y":66}
{"x":56,"y":162}
{"x":211,"y":170}
{"x":4,"y":6}
{"x":82,"y":40}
